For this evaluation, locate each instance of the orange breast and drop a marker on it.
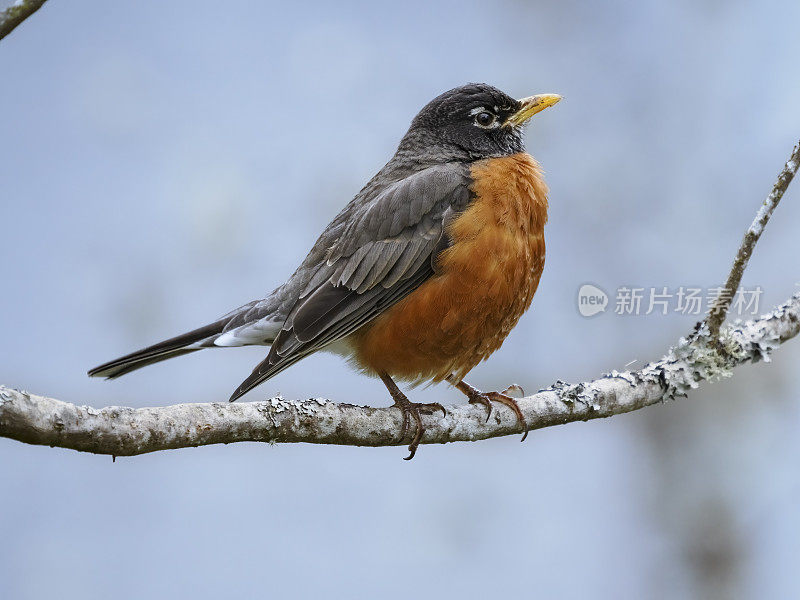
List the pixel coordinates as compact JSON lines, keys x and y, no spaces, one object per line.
{"x":484,"y":283}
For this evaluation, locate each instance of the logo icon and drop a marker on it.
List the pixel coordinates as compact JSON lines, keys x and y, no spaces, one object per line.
{"x":591,"y":300}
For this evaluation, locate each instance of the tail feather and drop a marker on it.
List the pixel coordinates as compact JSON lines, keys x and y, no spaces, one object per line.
{"x":170,"y":348}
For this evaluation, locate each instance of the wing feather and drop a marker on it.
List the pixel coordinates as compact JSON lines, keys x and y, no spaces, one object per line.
{"x":386,"y":249}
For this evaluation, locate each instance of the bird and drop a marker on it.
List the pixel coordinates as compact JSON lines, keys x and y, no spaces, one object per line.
{"x":422,"y":275}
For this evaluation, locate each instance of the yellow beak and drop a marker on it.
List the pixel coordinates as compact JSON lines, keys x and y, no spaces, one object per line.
{"x":530,"y":106}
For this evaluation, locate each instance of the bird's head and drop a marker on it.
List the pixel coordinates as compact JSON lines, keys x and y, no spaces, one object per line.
{"x":475,"y":121}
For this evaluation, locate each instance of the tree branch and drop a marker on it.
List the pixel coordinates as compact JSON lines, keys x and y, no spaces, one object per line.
{"x":16,"y":14}
{"x":121,"y":431}
{"x":720,"y":309}
{"x":706,"y":355}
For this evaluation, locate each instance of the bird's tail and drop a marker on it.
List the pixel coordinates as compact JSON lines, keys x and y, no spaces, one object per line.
{"x":182,"y":344}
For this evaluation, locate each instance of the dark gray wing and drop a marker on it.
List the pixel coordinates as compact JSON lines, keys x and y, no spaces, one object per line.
{"x":386,"y":249}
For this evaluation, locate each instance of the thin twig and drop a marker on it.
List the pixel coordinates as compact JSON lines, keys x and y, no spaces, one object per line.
{"x":717,"y":314}
{"x":16,"y":14}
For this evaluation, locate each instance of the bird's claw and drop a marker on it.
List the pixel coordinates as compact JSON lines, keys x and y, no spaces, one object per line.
{"x":413,"y":410}
{"x":480,"y":398}
{"x":475,"y":396}
{"x":510,"y":402}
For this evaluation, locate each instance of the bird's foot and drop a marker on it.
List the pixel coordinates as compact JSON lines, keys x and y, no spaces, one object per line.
{"x":475,"y":396}
{"x":410,"y":410}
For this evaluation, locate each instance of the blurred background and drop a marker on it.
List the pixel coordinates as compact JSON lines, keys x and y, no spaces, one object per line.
{"x":163,"y":163}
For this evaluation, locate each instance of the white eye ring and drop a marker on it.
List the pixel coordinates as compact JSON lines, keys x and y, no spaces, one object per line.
{"x":486,"y":119}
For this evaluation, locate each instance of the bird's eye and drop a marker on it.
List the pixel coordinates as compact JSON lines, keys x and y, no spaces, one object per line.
{"x":484,"y":119}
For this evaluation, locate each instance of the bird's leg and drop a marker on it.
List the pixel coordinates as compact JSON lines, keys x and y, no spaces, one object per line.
{"x":475,"y":396}
{"x":409,"y":410}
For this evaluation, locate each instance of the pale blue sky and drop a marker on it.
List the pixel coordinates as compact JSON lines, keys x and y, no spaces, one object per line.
{"x":162,"y":163}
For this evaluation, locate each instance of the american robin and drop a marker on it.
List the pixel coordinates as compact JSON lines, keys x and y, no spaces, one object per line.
{"x":422,"y":275}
